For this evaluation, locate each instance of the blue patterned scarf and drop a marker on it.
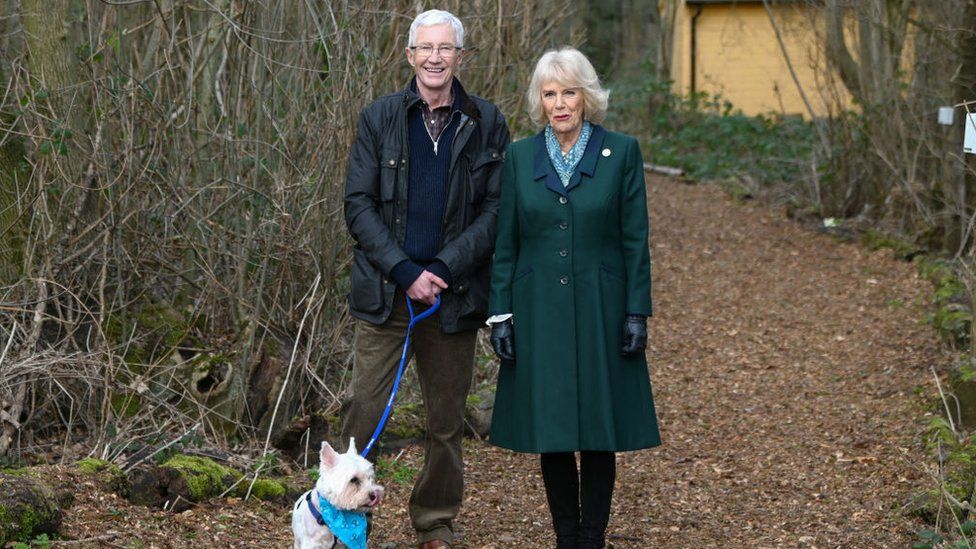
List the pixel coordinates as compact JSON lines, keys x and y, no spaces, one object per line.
{"x":565,"y":164}
{"x":348,"y":526}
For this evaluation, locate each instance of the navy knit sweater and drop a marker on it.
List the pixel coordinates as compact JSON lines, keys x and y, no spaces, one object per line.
{"x":426,"y":200}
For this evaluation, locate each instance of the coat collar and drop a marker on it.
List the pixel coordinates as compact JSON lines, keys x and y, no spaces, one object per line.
{"x":462,"y":101}
{"x":587,"y":165}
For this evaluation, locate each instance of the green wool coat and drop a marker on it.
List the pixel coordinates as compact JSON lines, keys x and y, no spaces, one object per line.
{"x":570,"y":263}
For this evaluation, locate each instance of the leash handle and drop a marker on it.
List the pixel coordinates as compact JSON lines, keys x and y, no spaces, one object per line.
{"x":414,"y":319}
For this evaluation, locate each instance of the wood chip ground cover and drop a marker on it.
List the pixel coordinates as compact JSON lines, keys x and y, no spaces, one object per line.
{"x":789,"y":372}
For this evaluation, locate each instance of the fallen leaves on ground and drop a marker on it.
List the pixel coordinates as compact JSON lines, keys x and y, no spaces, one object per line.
{"x":787,"y":370}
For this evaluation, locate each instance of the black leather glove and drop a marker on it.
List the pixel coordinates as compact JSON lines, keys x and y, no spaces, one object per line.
{"x":503,"y":339}
{"x":635,"y":335}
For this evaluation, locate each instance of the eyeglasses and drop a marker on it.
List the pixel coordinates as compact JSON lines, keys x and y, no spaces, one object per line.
{"x":426,"y":50}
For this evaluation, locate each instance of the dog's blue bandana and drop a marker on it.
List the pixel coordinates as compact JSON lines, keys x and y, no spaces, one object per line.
{"x":349,"y":527}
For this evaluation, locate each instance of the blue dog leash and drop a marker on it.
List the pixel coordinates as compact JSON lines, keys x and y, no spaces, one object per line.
{"x":403,"y":361}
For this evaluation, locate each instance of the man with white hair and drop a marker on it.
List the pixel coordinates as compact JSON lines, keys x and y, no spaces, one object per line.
{"x":422,"y":194}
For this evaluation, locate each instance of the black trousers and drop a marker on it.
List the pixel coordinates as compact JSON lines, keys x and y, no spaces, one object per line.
{"x":579,"y":500}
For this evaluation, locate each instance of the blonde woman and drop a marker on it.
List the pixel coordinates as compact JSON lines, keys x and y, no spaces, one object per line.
{"x":570,"y":295}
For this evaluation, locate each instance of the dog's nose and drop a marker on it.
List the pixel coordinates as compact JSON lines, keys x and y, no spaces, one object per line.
{"x":373,"y":496}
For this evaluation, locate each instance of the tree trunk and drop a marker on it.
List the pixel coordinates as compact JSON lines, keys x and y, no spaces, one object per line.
{"x":838,"y":54}
{"x":12,"y":161}
{"x":51,"y":72}
{"x":667,"y":18}
{"x":965,"y":90}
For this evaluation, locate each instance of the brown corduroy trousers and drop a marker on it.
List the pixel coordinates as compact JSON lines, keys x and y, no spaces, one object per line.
{"x":444,"y":369}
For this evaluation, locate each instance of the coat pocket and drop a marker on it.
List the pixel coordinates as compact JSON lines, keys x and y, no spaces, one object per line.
{"x":486,"y":157}
{"x":390,"y":163}
{"x":522,"y":274}
{"x":613,"y":275}
{"x":480,"y":167}
{"x":474,"y":297}
{"x":366,"y":293}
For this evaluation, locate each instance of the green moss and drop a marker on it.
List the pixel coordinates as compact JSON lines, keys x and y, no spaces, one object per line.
{"x":91,"y":466}
{"x":902,"y":249}
{"x":19,"y":525}
{"x":205,"y":477}
{"x":735,"y":189}
{"x":395,"y":471}
{"x":109,"y":474}
{"x":157,"y":327}
{"x":204,"y":363}
{"x":334,"y":422}
{"x":169,"y":324}
{"x":271,"y":346}
{"x":266,"y":489}
{"x":408,"y":422}
{"x":958,"y":468}
{"x":935,"y":270}
{"x":126,"y":404}
{"x":952,"y":314}
{"x":24,"y":472}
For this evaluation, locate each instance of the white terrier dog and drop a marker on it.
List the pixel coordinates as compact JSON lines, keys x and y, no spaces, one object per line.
{"x":334,"y":511}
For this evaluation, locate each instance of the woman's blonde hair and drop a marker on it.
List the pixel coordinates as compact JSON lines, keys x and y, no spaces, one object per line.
{"x":567,"y":67}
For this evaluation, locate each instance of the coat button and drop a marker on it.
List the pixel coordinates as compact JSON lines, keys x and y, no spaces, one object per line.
{"x":392,"y":162}
{"x":564,"y":280}
{"x":562,"y":200}
{"x":563,"y":252}
{"x":563,"y":225}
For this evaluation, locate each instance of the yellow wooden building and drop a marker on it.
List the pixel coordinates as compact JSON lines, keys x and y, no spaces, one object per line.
{"x":730,"y":48}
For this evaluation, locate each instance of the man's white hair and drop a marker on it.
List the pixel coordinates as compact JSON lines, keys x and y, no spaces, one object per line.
{"x":436,"y":17}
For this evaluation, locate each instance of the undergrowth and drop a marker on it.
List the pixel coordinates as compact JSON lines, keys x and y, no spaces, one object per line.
{"x":707,"y":136}
{"x":388,"y":469}
{"x":948,"y":505}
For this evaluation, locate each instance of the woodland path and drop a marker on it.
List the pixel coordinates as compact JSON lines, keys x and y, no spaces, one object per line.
{"x":789,"y":372}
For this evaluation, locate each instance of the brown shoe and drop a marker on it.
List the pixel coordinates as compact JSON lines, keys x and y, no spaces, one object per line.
{"x":435,"y":544}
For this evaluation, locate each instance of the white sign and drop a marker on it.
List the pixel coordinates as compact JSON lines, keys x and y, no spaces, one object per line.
{"x":969,"y":145}
{"x":946,"y":115}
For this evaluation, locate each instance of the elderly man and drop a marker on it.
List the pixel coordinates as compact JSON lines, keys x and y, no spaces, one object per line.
{"x":422,"y":194}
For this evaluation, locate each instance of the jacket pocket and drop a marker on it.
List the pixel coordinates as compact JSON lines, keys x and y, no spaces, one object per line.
{"x":480,"y":166}
{"x":474,"y":297}
{"x":366,"y":292}
{"x":390,"y":163}
{"x":486,"y":157}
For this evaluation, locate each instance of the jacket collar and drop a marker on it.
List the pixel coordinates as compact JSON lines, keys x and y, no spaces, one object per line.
{"x":587,"y":165}
{"x":462,"y":101}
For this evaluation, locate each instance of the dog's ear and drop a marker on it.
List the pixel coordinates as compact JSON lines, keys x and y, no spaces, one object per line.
{"x":327,"y":456}
{"x":352,"y":446}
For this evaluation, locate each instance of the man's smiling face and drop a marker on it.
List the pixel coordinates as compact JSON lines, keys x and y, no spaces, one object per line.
{"x":435,"y":72}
